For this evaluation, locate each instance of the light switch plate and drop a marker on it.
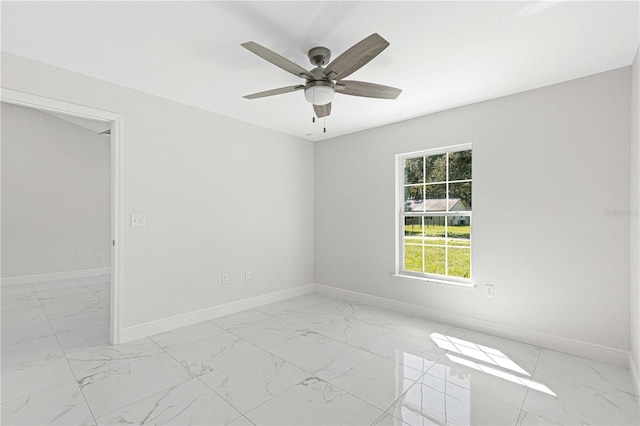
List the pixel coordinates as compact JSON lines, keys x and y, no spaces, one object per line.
{"x":138,"y":219}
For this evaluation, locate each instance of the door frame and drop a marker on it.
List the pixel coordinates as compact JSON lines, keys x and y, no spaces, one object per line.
{"x":52,"y":105}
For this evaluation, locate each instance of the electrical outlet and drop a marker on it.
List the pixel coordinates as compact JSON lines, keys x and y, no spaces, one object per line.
{"x":325,"y":265}
{"x":489,"y":291}
{"x":225,"y":278}
{"x":97,"y":253}
{"x":247,"y":274}
{"x":76,"y":255}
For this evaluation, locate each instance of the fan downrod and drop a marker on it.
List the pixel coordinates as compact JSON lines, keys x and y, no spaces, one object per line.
{"x":319,"y":56}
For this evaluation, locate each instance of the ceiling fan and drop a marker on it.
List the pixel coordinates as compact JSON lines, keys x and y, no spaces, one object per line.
{"x":322,"y":83}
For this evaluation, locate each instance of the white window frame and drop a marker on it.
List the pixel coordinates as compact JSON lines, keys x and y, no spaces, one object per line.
{"x":401,"y":214}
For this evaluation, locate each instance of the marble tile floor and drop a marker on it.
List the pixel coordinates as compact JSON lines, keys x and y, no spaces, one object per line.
{"x":311,"y":359}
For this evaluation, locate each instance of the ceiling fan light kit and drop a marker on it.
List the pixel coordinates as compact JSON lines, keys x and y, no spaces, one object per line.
{"x":319,"y":92}
{"x":323,"y":83}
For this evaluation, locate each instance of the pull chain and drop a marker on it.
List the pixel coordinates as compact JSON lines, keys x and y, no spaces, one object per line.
{"x":313,"y":93}
{"x":324,"y":125}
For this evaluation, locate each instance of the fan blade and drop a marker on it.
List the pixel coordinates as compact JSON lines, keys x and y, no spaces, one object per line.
{"x":277,"y":60}
{"x":274,"y":92}
{"x":322,"y":110}
{"x":368,"y":90}
{"x":356,"y":57}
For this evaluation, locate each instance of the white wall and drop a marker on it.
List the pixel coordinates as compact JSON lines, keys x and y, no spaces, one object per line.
{"x":55,"y":195}
{"x":547,"y":165}
{"x":634,"y":218}
{"x":220,"y":195}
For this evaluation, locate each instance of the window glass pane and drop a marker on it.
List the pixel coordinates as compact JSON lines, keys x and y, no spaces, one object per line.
{"x":459,"y":231}
{"x":459,"y":262}
{"x":413,"y":230}
{"x":436,"y":168}
{"x":413,"y":201}
{"x":413,"y":244}
{"x":413,"y":170}
{"x":434,"y":259}
{"x":413,"y":257}
{"x":434,"y":230}
{"x":460,"y":196}
{"x":435,"y":198}
{"x":460,"y":165}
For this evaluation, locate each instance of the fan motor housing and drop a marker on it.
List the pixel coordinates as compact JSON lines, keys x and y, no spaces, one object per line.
{"x":319,"y":56}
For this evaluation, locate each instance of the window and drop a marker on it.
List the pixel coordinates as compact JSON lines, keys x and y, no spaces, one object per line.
{"x":434,"y":220}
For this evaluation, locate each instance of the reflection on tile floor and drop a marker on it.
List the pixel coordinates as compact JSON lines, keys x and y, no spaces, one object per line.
{"x":311,"y":359}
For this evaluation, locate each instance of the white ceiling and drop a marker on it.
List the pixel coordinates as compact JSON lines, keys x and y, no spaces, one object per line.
{"x":442,"y":54}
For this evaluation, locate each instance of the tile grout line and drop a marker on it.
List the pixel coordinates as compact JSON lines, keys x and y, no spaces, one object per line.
{"x":53,"y":334}
{"x":155,"y":393}
{"x":526,"y":395}
{"x":297,"y":366}
{"x":64,"y":353}
{"x":199,"y":377}
{"x":268,"y":351}
{"x":19,"y":310}
{"x":329,"y":337}
{"x":313,"y":376}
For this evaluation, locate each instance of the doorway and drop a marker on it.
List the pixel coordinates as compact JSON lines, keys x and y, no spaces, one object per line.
{"x":114,"y":120}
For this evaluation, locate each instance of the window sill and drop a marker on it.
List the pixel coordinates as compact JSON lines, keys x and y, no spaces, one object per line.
{"x":436,"y":281}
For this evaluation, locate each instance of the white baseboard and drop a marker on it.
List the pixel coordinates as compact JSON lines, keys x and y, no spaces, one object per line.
{"x":549,"y":341}
{"x":635,"y":377}
{"x":167,"y":324}
{"x":82,"y":273}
